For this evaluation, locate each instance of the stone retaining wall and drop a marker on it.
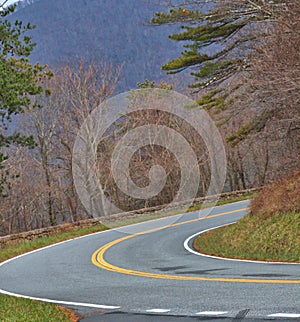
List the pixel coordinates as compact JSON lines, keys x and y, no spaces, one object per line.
{"x":37,"y":233}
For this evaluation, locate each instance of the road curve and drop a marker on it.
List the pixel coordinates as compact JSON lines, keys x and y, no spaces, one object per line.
{"x":145,"y":268}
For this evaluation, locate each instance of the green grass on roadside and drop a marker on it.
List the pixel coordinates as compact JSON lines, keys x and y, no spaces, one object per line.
{"x":26,"y":246}
{"x":275,"y":239}
{"x":18,"y":309}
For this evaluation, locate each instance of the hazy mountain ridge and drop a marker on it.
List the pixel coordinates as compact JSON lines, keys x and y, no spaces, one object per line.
{"x":117,"y":30}
{"x":19,"y":3}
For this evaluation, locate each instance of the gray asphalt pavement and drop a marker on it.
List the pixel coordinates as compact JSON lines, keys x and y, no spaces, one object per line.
{"x":65,"y":273}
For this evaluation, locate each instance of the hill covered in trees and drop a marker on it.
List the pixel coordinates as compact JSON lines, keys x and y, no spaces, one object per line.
{"x":118,"y":31}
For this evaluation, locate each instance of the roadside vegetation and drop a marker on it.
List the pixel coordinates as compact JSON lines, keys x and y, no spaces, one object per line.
{"x":269,"y":232}
{"x":21,"y":310}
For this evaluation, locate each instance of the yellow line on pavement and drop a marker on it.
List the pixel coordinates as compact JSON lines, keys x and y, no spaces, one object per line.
{"x":98,"y":259}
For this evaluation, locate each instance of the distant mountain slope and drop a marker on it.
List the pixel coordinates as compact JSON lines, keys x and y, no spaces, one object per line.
{"x":115,"y":29}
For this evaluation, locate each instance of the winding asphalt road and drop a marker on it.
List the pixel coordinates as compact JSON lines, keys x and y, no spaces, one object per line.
{"x":146,"y":269}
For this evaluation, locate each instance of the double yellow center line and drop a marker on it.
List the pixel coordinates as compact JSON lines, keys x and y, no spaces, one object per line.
{"x":98,"y":259}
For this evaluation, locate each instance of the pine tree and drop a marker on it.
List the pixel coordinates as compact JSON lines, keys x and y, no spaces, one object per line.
{"x":257,"y":39}
{"x":217,"y":40}
{"x":20,"y":81}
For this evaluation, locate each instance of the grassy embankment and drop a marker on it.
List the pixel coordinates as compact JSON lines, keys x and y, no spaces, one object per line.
{"x":269,"y":232}
{"x":18,"y":309}
{"x":14,"y":309}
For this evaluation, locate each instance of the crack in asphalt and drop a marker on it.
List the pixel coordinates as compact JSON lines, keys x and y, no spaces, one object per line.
{"x":241,"y":315}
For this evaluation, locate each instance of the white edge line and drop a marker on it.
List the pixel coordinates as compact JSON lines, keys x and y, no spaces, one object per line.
{"x":212,"y":313}
{"x":285,"y":315}
{"x":189,"y":249}
{"x":67,"y":241}
{"x":50,"y":300}
{"x":158,"y":311}
{"x":99,"y":306}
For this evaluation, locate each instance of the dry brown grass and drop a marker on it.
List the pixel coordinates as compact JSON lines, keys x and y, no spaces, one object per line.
{"x":282,"y":196}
